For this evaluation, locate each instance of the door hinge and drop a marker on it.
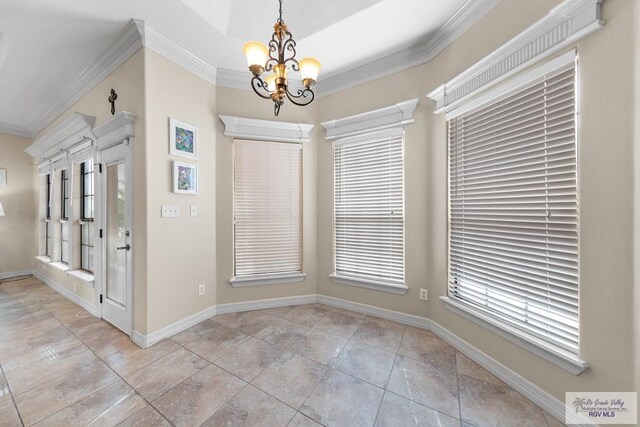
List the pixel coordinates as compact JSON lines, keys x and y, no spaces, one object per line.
{"x":100,"y":298}
{"x":100,"y":233}
{"x":100,"y":167}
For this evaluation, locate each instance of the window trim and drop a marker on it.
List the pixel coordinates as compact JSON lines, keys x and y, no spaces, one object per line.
{"x":266,"y":279}
{"x":555,"y":354}
{"x":84,"y":220}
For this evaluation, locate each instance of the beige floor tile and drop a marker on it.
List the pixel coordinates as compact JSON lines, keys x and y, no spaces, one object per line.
{"x":380,"y":333}
{"x":4,"y":388}
{"x":106,"y":407}
{"x":45,"y":347}
{"x":160,"y":376}
{"x":104,"y":339}
{"x":8,"y":414}
{"x":370,"y":364}
{"x":488,"y":404}
{"x":278,"y":311}
{"x":194,"y":400}
{"x":195,"y":331}
{"x":277,"y":326}
{"x":291,"y":378}
{"x":551,"y":421}
{"x":468,"y":367}
{"x":426,"y":384}
{"x":315,"y":345}
{"x":338,"y":323}
{"x":251,"y":408}
{"x":41,"y":371}
{"x":48,"y":398}
{"x":326,"y":307}
{"x":397,"y":411}
{"x":341,"y":400}
{"x":249,"y":358}
{"x":301,"y":420}
{"x":216,"y":342}
{"x":146,"y":417}
{"x":305,"y":314}
{"x":425,"y":346}
{"x":133,"y":358}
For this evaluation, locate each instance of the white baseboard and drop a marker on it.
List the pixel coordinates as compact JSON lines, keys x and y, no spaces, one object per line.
{"x":145,"y":341}
{"x":544,"y":400}
{"x":91,"y":308}
{"x":266,"y":303}
{"x":396,"y":316}
{"x":10,"y":274}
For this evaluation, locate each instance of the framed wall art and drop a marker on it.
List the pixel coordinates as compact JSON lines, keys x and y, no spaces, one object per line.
{"x":185,"y":178}
{"x":183,"y":139}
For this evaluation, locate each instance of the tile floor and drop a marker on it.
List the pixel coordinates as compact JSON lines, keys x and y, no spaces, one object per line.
{"x":307,"y":365}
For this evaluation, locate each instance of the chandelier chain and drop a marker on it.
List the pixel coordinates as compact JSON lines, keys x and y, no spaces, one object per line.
{"x":280,"y":18}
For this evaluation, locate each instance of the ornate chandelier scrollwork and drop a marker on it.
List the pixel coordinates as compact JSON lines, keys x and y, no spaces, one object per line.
{"x":277,"y":59}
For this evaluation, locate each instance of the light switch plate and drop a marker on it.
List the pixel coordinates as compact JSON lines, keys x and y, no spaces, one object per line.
{"x":170,"y":211}
{"x":194,"y":210}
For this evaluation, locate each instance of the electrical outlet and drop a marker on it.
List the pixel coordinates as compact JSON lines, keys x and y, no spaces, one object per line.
{"x":194,"y":210}
{"x":170,"y":211}
{"x":424,"y":294}
{"x":201,"y":290}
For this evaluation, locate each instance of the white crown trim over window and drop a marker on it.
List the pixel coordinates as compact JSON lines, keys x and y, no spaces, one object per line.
{"x":562,"y":26}
{"x":393,"y":116}
{"x":266,"y":130}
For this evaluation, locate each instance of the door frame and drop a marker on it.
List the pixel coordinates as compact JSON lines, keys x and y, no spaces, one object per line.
{"x":115,"y":131}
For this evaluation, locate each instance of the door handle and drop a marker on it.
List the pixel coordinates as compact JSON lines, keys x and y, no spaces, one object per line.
{"x":125,"y":247}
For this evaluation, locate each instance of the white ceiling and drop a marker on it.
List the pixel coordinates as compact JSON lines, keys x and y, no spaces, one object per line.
{"x":46,"y":44}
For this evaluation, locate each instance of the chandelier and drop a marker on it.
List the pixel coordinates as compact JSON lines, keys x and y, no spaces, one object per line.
{"x":276,"y":60}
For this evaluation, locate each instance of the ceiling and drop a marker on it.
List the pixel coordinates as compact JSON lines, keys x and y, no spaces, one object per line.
{"x":46,"y":44}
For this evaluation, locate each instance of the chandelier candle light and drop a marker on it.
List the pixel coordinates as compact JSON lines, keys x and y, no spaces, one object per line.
{"x":276,"y":60}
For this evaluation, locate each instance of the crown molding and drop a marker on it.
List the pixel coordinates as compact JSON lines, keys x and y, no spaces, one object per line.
{"x":72,"y":130}
{"x":393,"y":116}
{"x":233,"y":79}
{"x":15,"y":130}
{"x":128,"y":43}
{"x":137,"y":34}
{"x":470,"y":13}
{"x":176,"y":53}
{"x":266,"y":130}
{"x":561,"y":27}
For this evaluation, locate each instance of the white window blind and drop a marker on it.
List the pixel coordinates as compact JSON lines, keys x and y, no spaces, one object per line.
{"x":369,"y":207}
{"x":267,"y":207}
{"x":513,"y":243}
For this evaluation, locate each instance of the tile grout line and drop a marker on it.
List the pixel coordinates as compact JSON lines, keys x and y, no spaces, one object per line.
{"x":386,"y":384}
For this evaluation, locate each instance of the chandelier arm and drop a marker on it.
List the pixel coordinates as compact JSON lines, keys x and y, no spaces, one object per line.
{"x":289,"y":45}
{"x":258,"y":84}
{"x":304,"y":97}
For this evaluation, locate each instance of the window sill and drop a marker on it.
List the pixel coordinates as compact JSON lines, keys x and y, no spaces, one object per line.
{"x":60,"y":266}
{"x":44,"y":258}
{"x":370,"y":284}
{"x":558,"y":356}
{"x":83,"y":276}
{"x":266,"y":279}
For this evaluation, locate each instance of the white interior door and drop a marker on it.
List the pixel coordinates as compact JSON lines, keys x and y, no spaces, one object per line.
{"x":117,"y":295}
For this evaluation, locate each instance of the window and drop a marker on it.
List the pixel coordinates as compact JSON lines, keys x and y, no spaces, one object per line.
{"x":47,"y":218}
{"x":267,"y":210}
{"x":513,"y":237}
{"x":64,"y":216}
{"x":86,"y":215}
{"x":369,"y":208}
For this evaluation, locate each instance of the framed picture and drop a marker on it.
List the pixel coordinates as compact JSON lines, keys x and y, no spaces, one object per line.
{"x":183,"y":139}
{"x":3,"y":177}
{"x":185,"y":178}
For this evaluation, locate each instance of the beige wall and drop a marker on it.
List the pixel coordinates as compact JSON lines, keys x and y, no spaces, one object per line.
{"x":128,"y":81}
{"x":181,"y":252}
{"x":244,"y":103}
{"x":606,"y":150}
{"x":17,"y":230}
